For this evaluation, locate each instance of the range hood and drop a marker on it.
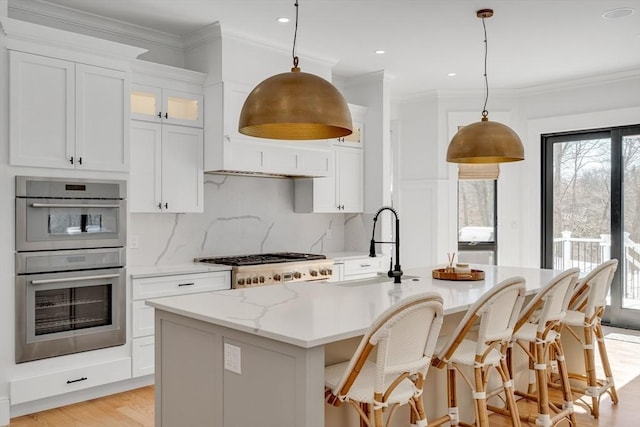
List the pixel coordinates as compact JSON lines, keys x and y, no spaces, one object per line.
{"x":227,"y":151}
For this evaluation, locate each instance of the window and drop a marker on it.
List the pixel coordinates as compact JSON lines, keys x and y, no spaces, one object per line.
{"x":477,"y":233}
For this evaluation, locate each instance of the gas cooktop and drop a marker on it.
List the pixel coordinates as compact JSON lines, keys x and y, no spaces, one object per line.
{"x":274,"y":268}
{"x":258,"y":259}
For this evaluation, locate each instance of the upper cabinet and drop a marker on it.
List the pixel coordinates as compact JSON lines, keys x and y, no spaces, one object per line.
{"x":67,"y":115}
{"x":68,"y":98}
{"x":166,"y":139}
{"x":228,"y":151}
{"x":167,"y":171}
{"x":155,"y":104}
{"x":356,"y":138}
{"x":342,"y":190}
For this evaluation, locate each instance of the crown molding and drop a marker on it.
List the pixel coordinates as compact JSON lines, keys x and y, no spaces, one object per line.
{"x":579,"y":83}
{"x":64,"y":17}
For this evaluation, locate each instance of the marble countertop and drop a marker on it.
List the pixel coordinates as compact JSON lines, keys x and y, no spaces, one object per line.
{"x":308,"y":314}
{"x":171,"y":270}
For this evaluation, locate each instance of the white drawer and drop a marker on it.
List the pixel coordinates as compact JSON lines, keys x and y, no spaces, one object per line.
{"x":142,"y":319}
{"x":142,"y":356}
{"x":164,"y":286}
{"x":28,"y":389}
{"x":364,"y":267}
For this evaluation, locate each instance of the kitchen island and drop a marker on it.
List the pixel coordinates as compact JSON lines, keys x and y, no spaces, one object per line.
{"x":256,"y":356}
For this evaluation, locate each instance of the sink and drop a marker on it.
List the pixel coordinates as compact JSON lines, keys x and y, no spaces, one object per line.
{"x":382,"y":278}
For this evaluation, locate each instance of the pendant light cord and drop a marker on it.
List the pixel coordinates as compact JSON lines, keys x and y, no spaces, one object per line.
{"x":485,"y":113}
{"x":295,"y":36}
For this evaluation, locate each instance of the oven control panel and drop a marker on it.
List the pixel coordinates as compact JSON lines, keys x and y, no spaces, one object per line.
{"x":275,"y":275}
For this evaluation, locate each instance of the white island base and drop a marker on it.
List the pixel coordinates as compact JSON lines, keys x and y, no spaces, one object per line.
{"x":285,"y":336}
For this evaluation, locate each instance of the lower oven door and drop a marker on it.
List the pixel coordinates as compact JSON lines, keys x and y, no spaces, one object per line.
{"x":69,"y":312}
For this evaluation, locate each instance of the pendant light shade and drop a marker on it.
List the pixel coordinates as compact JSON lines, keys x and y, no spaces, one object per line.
{"x":485,"y":141}
{"x":295,"y":106}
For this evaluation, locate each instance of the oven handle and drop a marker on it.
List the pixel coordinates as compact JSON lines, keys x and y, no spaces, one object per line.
{"x":70,"y":205}
{"x":74,"y":279}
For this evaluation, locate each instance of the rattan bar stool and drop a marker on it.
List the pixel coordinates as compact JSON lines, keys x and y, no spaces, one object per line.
{"x":585,"y":312}
{"x":496,"y":312}
{"x":404,"y":337}
{"x":536,"y":334}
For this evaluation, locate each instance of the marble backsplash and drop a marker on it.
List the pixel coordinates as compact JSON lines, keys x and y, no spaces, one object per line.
{"x":243,"y":215}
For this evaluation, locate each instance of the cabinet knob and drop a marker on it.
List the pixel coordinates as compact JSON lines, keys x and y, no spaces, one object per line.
{"x":159,"y":114}
{"x":71,"y":159}
{"x":166,"y":205}
{"x":166,"y":115}
{"x":160,"y":206}
{"x":79,"y":160}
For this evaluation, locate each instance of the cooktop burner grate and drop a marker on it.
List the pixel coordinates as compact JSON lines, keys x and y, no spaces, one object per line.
{"x":257,"y":259}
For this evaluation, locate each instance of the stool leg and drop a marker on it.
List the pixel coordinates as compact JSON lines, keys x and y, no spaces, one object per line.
{"x":604,"y":358}
{"x":508,"y":391}
{"x":480,"y":397}
{"x":564,"y":378}
{"x":544,"y":418}
{"x":590,"y":368}
{"x":452,"y":393}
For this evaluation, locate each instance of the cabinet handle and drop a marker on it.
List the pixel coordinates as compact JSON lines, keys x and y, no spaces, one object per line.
{"x":160,"y":205}
{"x":77,"y":380}
{"x":166,"y":205}
{"x":71,"y":159}
{"x":159,"y":114}
{"x":79,"y":160}
{"x":186,"y":284}
{"x":166,"y":115}
{"x":365,"y":265}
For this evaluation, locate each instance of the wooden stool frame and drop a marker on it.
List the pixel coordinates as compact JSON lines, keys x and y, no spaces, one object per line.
{"x":545,"y":313}
{"x":378,"y":337}
{"x":589,"y":299}
{"x":508,"y":293}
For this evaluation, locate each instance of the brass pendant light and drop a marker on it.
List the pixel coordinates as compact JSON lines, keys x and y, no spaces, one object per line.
{"x":295,"y":106}
{"x":485,"y":141}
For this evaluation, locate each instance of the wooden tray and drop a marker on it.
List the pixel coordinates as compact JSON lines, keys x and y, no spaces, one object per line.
{"x":444,"y":274}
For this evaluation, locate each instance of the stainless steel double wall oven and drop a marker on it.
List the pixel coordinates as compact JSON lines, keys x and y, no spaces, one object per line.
{"x":70,"y":266}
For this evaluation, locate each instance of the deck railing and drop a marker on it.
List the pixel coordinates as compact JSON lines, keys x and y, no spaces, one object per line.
{"x":586,"y":253}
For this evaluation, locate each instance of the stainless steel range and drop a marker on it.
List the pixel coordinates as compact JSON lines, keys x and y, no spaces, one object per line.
{"x":274,"y":268}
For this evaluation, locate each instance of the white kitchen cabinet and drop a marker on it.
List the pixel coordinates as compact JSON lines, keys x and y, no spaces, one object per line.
{"x":162,"y":105}
{"x":341,"y":191}
{"x":67,"y":381}
{"x":67,"y":115}
{"x":142,"y":316}
{"x":167,"y":174}
{"x":359,"y":267}
{"x":228,"y":151}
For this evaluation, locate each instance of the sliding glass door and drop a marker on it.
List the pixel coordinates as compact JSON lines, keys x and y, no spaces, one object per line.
{"x":591,"y":210}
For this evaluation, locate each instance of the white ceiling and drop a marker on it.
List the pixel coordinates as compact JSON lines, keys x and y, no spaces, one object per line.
{"x":531,"y":42}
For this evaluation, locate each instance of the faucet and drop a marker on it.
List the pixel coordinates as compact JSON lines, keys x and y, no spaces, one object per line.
{"x":396,"y":271}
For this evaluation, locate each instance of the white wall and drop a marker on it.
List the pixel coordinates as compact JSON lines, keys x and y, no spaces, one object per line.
{"x":427,"y":184}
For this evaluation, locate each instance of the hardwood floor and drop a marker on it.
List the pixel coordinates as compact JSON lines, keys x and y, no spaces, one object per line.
{"x":135,"y":408}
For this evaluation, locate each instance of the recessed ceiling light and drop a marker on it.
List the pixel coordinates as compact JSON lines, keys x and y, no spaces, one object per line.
{"x":618,"y":13}
{"x":283,"y":20}
{"x":380,"y":52}
{"x":451,"y":74}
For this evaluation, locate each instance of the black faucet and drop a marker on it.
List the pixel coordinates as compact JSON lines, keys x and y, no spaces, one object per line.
{"x":396,"y":271}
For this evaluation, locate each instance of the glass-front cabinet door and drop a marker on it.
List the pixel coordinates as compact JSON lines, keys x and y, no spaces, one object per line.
{"x":160,"y":105}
